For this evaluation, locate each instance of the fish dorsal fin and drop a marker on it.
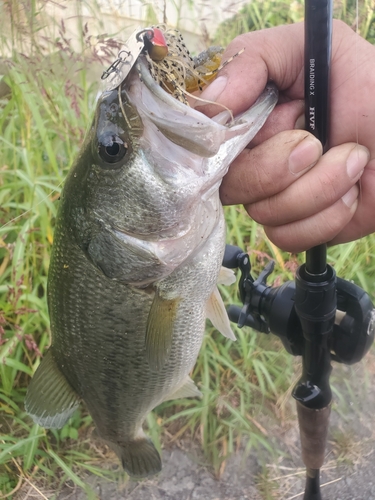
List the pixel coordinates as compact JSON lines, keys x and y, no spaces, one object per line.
{"x":186,"y":390}
{"x":159,"y":330}
{"x":217,"y":314}
{"x":50,"y":400}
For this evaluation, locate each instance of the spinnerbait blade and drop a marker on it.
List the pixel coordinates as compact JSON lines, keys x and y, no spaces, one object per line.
{"x":127,"y":56}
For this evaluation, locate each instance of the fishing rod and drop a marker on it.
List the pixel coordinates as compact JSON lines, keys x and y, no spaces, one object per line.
{"x":316,"y":299}
{"x":317,"y":316}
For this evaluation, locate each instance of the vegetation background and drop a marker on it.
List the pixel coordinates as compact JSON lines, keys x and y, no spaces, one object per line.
{"x":47,"y":96}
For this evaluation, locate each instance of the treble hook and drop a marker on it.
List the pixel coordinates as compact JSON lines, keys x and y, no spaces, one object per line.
{"x":113,"y":67}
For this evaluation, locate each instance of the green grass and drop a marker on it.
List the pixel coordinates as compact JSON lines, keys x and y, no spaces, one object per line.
{"x":267,"y":13}
{"x":42,"y":124}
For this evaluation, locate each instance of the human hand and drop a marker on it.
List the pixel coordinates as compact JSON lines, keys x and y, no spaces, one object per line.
{"x":302,"y":198}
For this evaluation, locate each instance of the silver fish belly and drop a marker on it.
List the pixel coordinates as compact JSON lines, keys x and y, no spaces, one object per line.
{"x":137,"y":252}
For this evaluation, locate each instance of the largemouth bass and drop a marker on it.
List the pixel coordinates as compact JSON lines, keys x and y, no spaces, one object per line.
{"x":136,"y":258}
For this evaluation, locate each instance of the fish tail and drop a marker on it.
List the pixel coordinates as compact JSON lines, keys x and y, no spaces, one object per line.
{"x":139,"y":458}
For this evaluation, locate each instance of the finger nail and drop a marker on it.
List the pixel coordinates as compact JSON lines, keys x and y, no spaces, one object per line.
{"x":213,"y":91}
{"x":357,"y":160}
{"x":300,"y":123}
{"x":351,"y":196}
{"x":305,"y":155}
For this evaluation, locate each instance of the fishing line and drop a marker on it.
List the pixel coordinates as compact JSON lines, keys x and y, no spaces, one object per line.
{"x":356,"y":63}
{"x":361,"y":234}
{"x":206,"y":101}
{"x":122,"y":107}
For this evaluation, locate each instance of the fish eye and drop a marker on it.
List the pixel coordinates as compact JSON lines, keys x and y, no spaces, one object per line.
{"x":112,"y":149}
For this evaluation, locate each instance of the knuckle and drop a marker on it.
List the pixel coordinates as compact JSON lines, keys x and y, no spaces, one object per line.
{"x":262,"y":177}
{"x":334,"y":222}
{"x":285,"y":237}
{"x":328,"y":189}
{"x":265,"y":212}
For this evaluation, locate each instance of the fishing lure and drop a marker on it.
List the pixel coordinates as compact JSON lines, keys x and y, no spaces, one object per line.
{"x":169,"y":60}
{"x":172,"y":66}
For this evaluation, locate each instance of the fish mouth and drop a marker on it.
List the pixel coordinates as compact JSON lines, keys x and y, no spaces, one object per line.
{"x":191,"y":129}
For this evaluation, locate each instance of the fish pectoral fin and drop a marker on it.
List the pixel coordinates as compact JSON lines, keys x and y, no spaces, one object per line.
{"x":139,"y":457}
{"x":50,"y":401}
{"x":217,"y":314}
{"x":226,"y":276}
{"x":159,"y":330}
{"x":187,"y":389}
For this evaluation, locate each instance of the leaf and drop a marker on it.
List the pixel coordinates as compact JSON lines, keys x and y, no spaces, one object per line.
{"x":28,"y":459}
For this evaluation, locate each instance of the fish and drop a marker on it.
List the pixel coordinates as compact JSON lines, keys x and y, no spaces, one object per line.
{"x":136,"y":259}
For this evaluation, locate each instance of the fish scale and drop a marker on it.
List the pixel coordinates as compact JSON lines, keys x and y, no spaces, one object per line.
{"x":116,"y":320}
{"x":135,"y":263}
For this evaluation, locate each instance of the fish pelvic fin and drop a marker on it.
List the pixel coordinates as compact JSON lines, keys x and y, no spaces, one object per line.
{"x":50,"y":400}
{"x":186,"y":390}
{"x":139,"y":457}
{"x":217,"y":314}
{"x":159,"y":330}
